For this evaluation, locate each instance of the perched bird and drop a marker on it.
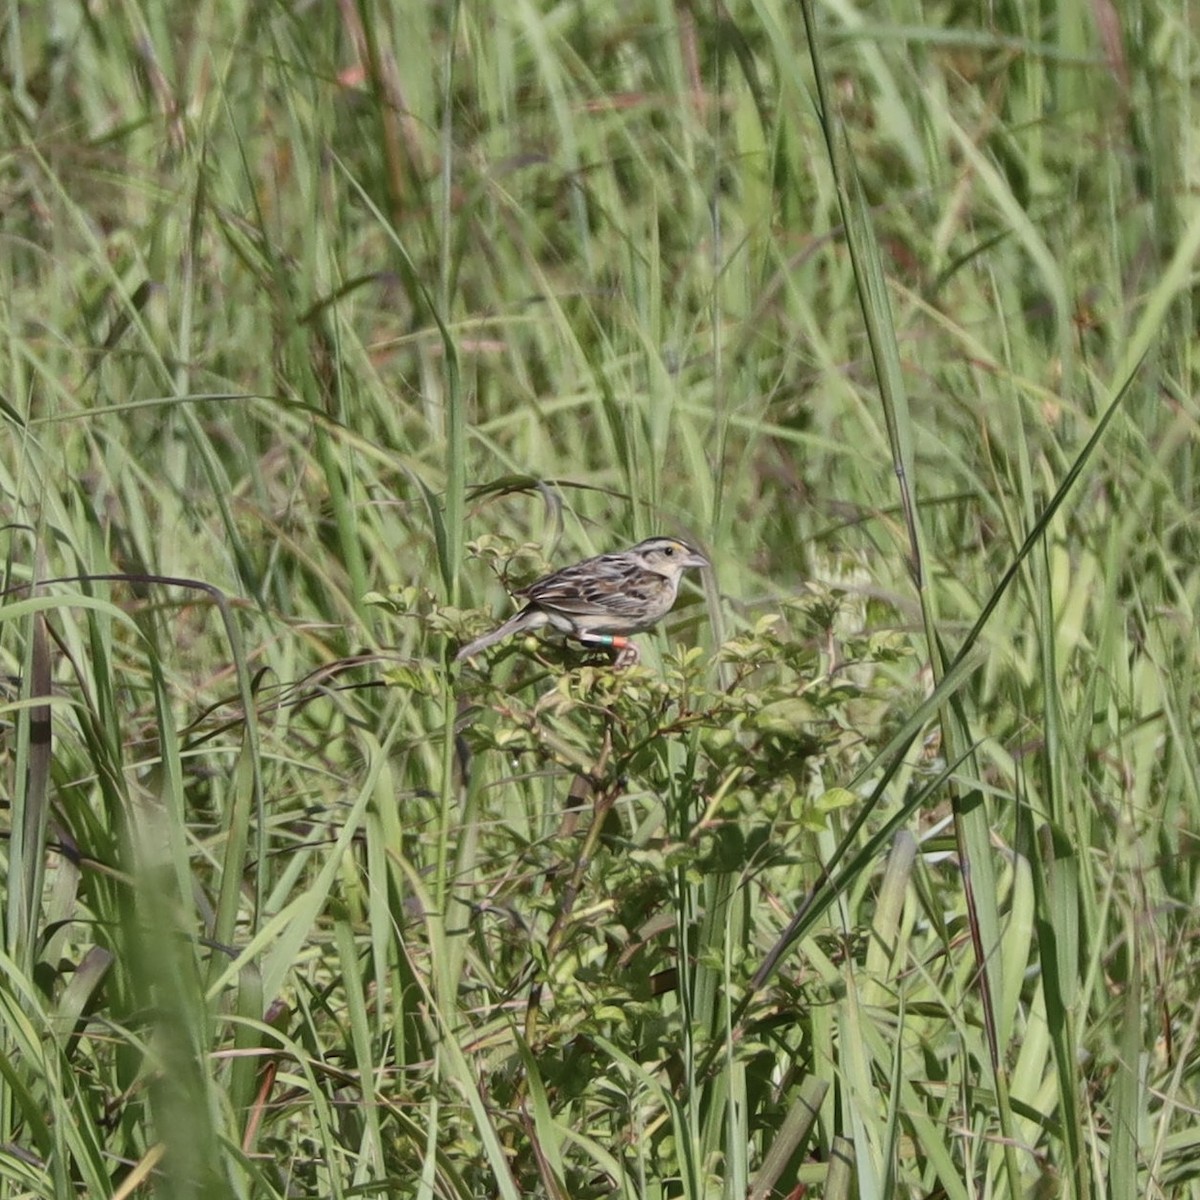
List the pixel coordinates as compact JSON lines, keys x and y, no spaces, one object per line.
{"x":602,"y":600}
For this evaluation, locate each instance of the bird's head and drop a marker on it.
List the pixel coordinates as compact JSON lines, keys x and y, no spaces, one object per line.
{"x":668,"y":556}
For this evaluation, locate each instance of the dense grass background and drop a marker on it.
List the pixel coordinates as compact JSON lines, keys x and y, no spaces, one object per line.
{"x":322,"y":323}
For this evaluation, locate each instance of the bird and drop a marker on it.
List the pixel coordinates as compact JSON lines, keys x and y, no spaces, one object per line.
{"x":601,"y":600}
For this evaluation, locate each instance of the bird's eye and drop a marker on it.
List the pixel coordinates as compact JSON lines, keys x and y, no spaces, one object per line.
{"x":668,"y":550}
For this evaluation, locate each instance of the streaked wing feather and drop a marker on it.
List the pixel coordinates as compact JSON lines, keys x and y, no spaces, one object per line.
{"x":605,"y":585}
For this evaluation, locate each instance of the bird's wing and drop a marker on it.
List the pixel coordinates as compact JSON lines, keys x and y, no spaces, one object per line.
{"x":597,"y":587}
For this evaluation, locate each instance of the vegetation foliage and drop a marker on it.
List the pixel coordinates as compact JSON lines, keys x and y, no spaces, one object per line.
{"x":324,"y":326}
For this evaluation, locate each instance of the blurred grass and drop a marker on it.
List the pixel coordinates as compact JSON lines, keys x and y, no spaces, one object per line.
{"x":320,"y":323}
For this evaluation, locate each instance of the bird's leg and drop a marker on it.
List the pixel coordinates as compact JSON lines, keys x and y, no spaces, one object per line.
{"x":627,"y":656}
{"x":627,"y":652}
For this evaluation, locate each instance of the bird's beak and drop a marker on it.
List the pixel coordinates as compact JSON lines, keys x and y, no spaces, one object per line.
{"x":696,"y":559}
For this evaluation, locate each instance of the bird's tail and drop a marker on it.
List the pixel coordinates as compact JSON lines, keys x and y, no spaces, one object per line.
{"x":523,"y":620}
